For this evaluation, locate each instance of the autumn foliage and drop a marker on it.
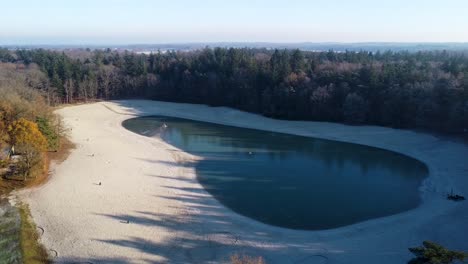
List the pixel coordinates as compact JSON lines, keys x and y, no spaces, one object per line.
{"x":27,"y":124}
{"x":26,"y":133}
{"x":29,"y":142}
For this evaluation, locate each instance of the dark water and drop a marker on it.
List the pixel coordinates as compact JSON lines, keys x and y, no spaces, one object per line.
{"x":292,"y":181}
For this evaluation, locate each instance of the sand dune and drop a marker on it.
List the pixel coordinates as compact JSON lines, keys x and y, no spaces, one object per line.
{"x":149,"y":208}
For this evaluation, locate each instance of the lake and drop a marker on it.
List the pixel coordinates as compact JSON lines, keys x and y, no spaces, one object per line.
{"x":292,"y":181}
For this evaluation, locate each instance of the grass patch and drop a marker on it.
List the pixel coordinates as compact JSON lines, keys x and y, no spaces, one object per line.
{"x":31,"y":250}
{"x":9,"y":233}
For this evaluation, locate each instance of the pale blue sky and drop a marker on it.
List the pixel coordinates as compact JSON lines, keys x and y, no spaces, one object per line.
{"x":146,"y":21}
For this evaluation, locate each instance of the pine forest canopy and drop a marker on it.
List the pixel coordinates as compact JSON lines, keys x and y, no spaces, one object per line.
{"x":425,"y":89}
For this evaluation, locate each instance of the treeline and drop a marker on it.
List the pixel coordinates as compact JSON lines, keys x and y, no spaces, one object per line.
{"x":28,"y":128}
{"x":426,"y":90}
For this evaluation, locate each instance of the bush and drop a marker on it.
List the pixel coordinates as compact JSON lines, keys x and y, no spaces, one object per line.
{"x":50,"y":132}
{"x":3,"y":164}
{"x":432,"y":253}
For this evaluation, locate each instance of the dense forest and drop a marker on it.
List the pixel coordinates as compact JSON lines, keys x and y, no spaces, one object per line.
{"x":426,"y":90}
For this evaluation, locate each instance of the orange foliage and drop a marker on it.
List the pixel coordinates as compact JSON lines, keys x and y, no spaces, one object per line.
{"x":23,"y":132}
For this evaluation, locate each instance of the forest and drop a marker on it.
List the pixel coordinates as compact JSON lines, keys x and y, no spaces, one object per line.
{"x":416,"y":90}
{"x":28,"y":128}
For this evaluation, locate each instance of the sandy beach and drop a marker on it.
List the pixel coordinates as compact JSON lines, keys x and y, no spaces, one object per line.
{"x":149,"y":207}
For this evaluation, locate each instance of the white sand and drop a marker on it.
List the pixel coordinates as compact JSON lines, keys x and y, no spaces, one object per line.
{"x":173,"y":220}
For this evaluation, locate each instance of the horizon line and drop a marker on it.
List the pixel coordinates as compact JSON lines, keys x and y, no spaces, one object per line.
{"x":239,"y":42}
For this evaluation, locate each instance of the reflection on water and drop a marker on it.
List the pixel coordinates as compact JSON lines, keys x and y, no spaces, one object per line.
{"x":292,"y":181}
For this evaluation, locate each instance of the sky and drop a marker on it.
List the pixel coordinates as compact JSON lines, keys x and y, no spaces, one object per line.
{"x":178,"y":21}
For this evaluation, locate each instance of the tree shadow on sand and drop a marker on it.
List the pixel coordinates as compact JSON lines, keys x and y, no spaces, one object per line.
{"x":204,"y":233}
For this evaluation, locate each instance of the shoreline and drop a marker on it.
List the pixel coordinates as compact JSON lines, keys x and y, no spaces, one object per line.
{"x":184,"y":224}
